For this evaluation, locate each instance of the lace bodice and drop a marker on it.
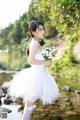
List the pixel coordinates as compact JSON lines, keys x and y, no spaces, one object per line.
{"x":38,"y":56}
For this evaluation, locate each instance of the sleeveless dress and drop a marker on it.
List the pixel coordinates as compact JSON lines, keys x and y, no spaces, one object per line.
{"x":34,"y":83}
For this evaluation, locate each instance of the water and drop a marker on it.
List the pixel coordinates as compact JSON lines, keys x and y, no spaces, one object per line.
{"x":14,"y":115}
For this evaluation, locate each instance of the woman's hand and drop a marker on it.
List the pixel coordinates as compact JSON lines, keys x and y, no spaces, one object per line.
{"x":48,"y":63}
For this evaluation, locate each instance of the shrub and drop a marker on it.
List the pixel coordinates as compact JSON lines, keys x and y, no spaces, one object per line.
{"x":20,"y":64}
{"x":3,"y":65}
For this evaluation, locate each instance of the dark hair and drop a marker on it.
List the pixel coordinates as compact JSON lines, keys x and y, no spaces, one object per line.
{"x":32,"y":27}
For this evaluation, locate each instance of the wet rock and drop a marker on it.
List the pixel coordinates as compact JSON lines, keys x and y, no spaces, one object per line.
{"x":77,"y":92}
{"x":3,"y":109}
{"x":5,"y":86}
{"x":0,"y":102}
{"x":3,"y":115}
{"x":5,"y":90}
{"x":67,"y":100}
{"x":8,"y":101}
{"x":1,"y":93}
{"x":66,"y":89}
{"x":21,"y":108}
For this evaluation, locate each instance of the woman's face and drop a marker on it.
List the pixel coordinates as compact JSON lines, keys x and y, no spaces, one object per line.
{"x":39,"y":32}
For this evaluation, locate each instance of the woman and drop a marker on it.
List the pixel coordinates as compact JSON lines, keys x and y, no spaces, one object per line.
{"x":35,"y":82}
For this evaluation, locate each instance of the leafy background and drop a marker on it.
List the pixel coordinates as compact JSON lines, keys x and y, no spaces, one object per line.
{"x":61,"y":21}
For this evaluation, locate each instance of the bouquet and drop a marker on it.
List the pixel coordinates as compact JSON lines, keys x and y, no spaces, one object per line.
{"x":49,"y":53}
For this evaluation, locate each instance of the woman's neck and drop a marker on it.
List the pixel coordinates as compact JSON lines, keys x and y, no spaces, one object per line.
{"x":37,"y":39}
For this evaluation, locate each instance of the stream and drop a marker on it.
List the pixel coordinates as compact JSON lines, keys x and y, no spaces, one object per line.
{"x":14,"y":115}
{"x":68,"y":110}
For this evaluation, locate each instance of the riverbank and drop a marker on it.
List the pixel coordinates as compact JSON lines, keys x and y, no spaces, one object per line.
{"x":61,"y":110}
{"x":7,"y":71}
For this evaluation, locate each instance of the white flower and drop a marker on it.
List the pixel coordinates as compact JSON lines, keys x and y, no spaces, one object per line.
{"x":49,"y":52}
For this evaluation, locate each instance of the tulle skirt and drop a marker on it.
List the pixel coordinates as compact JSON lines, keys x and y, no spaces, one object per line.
{"x":34,"y":83}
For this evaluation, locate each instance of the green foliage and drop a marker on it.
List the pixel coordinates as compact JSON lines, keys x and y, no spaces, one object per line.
{"x":24,"y":44}
{"x":57,"y":17}
{"x":20,"y":64}
{"x":69,"y":75}
{"x":24,"y":28}
{"x":13,"y":34}
{"x":62,"y":18}
{"x":67,"y":60}
{"x":32,"y":13}
{"x":16,"y":33}
{"x":66,"y":18}
{"x":50,"y":30}
{"x":4,"y":40}
{"x":67,"y":69}
{"x":3,"y":66}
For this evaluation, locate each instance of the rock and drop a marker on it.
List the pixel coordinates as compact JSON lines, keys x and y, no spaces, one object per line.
{"x":1,"y":91}
{"x":3,"y":115}
{"x":5,"y":90}
{"x":3,"y":109}
{"x":0,"y":102}
{"x":70,"y":113}
{"x":67,"y":100}
{"x":66,"y":89}
{"x":57,"y":118}
{"x":8,"y":101}
{"x":2,"y":95}
{"x":5,"y":87}
{"x":5,"y":84}
{"x":21,"y":108}
{"x":77,"y":92}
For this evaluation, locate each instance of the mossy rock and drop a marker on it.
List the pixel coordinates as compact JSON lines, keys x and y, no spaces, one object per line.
{"x":19,"y":101}
{"x":55,"y":118}
{"x":73,"y":117}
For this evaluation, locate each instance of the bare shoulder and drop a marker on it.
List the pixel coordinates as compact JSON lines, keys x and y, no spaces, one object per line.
{"x":34,"y":45}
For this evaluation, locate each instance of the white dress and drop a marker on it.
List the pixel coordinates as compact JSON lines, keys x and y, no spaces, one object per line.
{"x":34,"y":83}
